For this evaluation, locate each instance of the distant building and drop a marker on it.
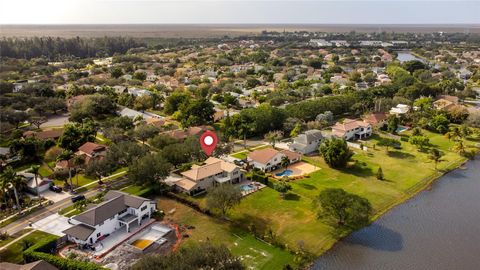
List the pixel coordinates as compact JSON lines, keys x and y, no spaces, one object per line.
{"x":319,"y":43}
{"x":376,"y":119}
{"x":352,"y":129}
{"x":400,"y":109}
{"x":307,"y":142}
{"x":269,"y":159}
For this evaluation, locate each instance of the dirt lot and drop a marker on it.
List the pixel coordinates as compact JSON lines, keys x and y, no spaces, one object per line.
{"x":126,"y":255}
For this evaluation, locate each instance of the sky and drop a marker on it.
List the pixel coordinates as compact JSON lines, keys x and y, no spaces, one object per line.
{"x":239,"y":12}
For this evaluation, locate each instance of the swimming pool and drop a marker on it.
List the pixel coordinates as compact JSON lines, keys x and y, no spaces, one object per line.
{"x":401,"y":129}
{"x":285,"y":173}
{"x":248,"y":187}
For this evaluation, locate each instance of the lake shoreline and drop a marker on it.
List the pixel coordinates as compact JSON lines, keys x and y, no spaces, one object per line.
{"x":423,"y":187}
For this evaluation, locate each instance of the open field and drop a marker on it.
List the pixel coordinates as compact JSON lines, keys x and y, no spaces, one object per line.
{"x":211,"y":30}
{"x":255,"y":253}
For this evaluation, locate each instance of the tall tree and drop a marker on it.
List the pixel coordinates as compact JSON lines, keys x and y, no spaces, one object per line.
{"x":335,"y":152}
{"x":223,"y":197}
{"x":346,"y":209}
{"x":14,"y":181}
{"x":435,"y":156}
{"x":34,"y":169}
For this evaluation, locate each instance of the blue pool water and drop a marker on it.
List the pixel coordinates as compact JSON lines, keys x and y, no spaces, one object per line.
{"x":285,"y":173}
{"x":246,"y":187}
{"x":401,"y":129}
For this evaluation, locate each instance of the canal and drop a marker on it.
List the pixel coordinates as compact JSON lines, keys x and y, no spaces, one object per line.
{"x":438,"y":229}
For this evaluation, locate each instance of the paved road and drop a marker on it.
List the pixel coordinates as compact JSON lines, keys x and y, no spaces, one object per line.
{"x":21,"y":223}
{"x":24,"y":222}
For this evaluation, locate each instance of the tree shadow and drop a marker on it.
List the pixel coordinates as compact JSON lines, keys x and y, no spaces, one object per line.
{"x":307,"y":186}
{"x":254,"y":224}
{"x":399,"y":154}
{"x":292,"y":197}
{"x":359,"y":169}
{"x":377,"y":237}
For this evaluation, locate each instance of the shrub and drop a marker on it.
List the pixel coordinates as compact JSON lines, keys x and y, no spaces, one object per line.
{"x":42,"y":251}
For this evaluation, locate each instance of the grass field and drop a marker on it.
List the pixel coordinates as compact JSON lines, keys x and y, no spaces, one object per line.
{"x":294,"y":219}
{"x":13,"y":253}
{"x":254,"y":253}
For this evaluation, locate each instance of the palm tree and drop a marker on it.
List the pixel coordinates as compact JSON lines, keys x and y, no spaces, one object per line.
{"x":244,"y":129}
{"x":14,"y":180}
{"x":34,"y":170}
{"x":78,"y":162}
{"x":4,"y":185}
{"x":436,"y":156}
{"x":285,"y":162}
{"x":273,"y":136}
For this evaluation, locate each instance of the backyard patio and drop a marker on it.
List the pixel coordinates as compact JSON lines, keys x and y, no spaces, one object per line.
{"x":295,"y":170}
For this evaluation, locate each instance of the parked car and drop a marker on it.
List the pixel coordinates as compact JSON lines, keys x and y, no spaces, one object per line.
{"x":56,"y":189}
{"x":78,"y":198}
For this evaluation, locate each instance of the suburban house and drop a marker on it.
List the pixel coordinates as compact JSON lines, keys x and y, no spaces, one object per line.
{"x":307,"y":142}
{"x":31,"y":185}
{"x":376,"y":119}
{"x":91,"y":151}
{"x":180,"y":134}
{"x":118,"y":210}
{"x":269,"y":159}
{"x":352,"y":129}
{"x":400,"y":109}
{"x":52,"y":134}
{"x":445,"y":102}
{"x":214,"y":171}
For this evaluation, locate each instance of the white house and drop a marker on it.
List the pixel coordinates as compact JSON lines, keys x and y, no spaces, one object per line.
{"x":214,"y":171}
{"x":118,"y":211}
{"x":400,"y":109}
{"x":307,"y":142}
{"x":352,"y":129}
{"x":269,"y":159}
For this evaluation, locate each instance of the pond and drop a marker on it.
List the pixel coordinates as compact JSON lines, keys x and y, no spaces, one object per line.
{"x":404,"y":56}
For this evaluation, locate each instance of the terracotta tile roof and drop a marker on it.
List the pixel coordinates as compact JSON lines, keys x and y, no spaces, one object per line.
{"x":212,"y":167}
{"x":44,"y":135}
{"x":375,"y":118}
{"x":186,"y":184}
{"x":291,"y":155}
{"x":348,"y":124}
{"x":89,"y":148}
{"x":263,"y":155}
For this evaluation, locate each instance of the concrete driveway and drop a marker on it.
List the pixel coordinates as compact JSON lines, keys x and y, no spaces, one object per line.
{"x":55,"y":121}
{"x":53,"y":224}
{"x":55,"y":197}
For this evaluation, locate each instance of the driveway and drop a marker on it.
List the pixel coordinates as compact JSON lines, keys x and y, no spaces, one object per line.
{"x":53,"y":224}
{"x":55,"y":197}
{"x":55,"y":121}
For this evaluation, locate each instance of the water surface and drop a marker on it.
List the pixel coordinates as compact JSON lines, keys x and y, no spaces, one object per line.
{"x":439,"y":229}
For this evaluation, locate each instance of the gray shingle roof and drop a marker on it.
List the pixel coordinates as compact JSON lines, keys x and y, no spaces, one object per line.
{"x":115,"y":202}
{"x":80,"y":231}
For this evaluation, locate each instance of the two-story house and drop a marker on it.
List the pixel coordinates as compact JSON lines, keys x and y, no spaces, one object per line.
{"x":352,"y":129}
{"x":215,"y":171}
{"x":269,"y":159}
{"x":119,"y":210}
{"x":307,"y":142}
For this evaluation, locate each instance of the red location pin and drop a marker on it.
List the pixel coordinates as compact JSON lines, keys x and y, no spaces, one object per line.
{"x":208,"y":141}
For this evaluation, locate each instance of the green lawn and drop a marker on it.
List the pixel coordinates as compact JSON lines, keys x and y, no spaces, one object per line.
{"x":44,"y":171}
{"x":254,"y":253}
{"x":13,"y":253}
{"x":406,"y":171}
{"x":136,"y":190}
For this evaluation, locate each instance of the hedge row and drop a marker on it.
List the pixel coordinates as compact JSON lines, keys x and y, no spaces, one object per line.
{"x":42,"y":251}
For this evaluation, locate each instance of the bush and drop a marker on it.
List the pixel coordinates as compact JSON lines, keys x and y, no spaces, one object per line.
{"x":42,"y":251}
